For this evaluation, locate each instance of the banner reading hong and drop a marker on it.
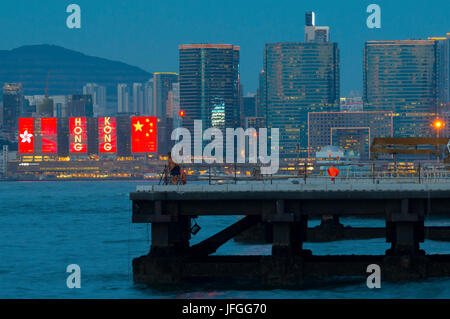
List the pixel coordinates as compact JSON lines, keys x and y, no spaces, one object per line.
{"x":78,"y":135}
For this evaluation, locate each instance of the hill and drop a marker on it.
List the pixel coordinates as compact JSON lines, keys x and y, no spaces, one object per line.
{"x":70,"y":70}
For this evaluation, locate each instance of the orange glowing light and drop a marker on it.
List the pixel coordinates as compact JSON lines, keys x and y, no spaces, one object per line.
{"x":182,"y":113}
{"x":438,"y":124}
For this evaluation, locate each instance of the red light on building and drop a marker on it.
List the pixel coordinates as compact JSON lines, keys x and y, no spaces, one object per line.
{"x":26,"y":135}
{"x":78,"y":135}
{"x":144,"y":136}
{"x":182,"y":113}
{"x":107,"y":135}
{"x":49,"y":135}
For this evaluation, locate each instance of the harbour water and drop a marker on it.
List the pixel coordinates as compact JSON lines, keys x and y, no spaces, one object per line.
{"x":46,"y":226}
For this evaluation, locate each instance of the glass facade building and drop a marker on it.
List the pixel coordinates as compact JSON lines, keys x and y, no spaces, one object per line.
{"x":209,"y":85}
{"x":299,"y":78}
{"x":350,"y":131}
{"x":13,"y":102}
{"x":402,"y":77}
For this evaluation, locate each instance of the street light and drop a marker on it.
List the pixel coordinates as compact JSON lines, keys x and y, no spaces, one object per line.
{"x":438,"y":125}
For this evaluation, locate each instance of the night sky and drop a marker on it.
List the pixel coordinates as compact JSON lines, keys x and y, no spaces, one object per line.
{"x":146,"y":33}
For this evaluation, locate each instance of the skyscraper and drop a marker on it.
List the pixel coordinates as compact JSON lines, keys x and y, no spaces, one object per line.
{"x":209,"y":85}
{"x":138,"y":98}
{"x":249,"y":106}
{"x":12,"y":104}
{"x":162,"y":84}
{"x":123,"y":98}
{"x":174,"y":98}
{"x":444,"y":72}
{"x":315,"y":33}
{"x":80,"y":105}
{"x":148,"y":98}
{"x":261,"y":110}
{"x":402,"y":77}
{"x":299,"y":78}
{"x":98,"y":94}
{"x":444,"y":80}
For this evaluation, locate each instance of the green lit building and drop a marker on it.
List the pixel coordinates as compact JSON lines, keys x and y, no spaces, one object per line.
{"x":209,"y":85}
{"x":403,"y":77}
{"x":299,"y":78}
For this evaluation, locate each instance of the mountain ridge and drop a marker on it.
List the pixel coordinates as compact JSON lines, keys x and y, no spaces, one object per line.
{"x":69,"y":70}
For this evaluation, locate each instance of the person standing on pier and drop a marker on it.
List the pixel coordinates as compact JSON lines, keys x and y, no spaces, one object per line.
{"x":174,"y":170}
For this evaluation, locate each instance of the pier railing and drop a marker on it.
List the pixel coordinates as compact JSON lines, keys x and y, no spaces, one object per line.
{"x":316,"y":173}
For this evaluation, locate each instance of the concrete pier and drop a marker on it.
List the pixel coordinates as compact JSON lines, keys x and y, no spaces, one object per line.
{"x":284,"y":209}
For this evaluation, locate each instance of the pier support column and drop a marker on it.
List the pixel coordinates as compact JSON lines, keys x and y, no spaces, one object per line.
{"x":170,"y":234}
{"x":405,"y":230}
{"x":289,"y":232}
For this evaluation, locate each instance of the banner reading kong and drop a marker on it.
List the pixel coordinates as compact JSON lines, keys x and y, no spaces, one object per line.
{"x":144,"y":134}
{"x":49,"y":135}
{"x":78,"y":135}
{"x":107,"y":135}
{"x":26,"y":135}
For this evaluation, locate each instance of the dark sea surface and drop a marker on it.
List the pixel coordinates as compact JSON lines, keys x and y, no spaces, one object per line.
{"x":46,"y":226}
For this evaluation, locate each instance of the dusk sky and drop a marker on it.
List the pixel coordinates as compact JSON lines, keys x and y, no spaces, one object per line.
{"x":146,"y":33}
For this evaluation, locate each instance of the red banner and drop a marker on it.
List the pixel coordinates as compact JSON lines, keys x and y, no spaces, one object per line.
{"x":49,"y":136}
{"x":107,"y":135}
{"x":78,"y":135}
{"x":144,"y":137}
{"x":26,"y":135}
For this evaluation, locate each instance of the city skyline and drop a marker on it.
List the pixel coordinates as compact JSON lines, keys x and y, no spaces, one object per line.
{"x":159,"y":28}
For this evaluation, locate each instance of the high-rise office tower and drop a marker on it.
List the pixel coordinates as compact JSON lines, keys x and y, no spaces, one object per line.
{"x":444,"y":80}
{"x":444,"y":71}
{"x":162,"y":84}
{"x":13,"y":101}
{"x":402,"y":77}
{"x":123,"y":98}
{"x":315,"y":33}
{"x":46,"y":107}
{"x":249,"y":106}
{"x":209,"y":85}
{"x":138,"y":98}
{"x":299,"y":78}
{"x":148,"y":98}
{"x":80,"y":105}
{"x":174,"y":98}
{"x":98,"y":94}
{"x":60,"y":106}
{"x":4,"y":162}
{"x":261,"y":110}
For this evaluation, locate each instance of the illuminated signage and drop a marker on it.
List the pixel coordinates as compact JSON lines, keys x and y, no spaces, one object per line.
{"x":26,"y":135}
{"x":107,"y":135}
{"x":144,"y":135}
{"x":49,"y":135}
{"x":78,"y":135}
